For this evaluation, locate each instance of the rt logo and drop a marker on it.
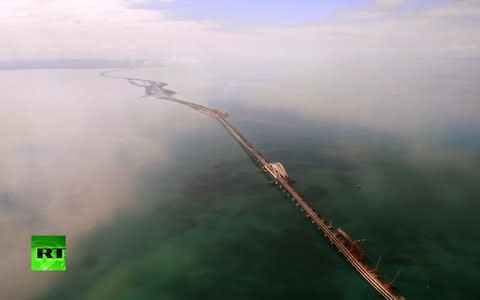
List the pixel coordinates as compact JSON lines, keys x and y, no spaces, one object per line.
{"x":49,"y":253}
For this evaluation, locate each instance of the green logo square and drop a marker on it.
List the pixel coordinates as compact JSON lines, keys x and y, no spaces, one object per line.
{"x":49,"y":253}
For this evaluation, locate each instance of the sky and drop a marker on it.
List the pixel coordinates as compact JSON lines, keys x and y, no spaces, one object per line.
{"x":218,"y":31}
{"x":251,"y":13}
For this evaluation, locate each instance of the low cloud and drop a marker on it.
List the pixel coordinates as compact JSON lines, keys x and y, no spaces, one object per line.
{"x":72,"y":145}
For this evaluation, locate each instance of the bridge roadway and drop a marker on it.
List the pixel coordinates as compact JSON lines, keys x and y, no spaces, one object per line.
{"x":328,"y":230}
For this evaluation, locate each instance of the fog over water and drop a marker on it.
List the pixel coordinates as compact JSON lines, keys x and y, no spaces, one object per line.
{"x":82,"y":156}
{"x":72,"y":143}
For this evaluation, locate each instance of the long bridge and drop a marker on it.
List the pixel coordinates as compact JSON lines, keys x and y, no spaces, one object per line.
{"x":348,"y":247}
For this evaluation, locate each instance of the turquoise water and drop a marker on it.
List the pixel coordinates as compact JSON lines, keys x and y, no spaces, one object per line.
{"x":210,"y":226}
{"x":159,"y":202}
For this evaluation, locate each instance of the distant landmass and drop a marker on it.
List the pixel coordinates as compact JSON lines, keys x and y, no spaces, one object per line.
{"x":74,"y":64}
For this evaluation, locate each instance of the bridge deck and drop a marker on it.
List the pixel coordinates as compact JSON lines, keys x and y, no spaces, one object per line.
{"x":322,"y":225}
{"x":328,"y":230}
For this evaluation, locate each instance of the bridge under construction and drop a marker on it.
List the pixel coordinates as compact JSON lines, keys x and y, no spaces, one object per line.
{"x":349,"y":248}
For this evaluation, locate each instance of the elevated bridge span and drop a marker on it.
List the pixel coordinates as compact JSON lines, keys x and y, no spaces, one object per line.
{"x":337,"y":237}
